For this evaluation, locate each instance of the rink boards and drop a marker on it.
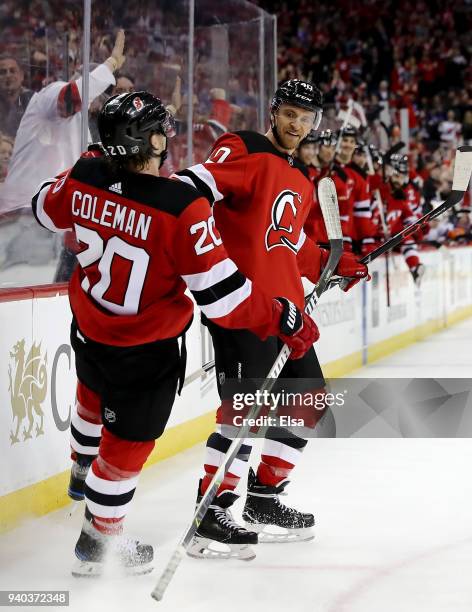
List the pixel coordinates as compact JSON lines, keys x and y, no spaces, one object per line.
{"x":37,"y":381}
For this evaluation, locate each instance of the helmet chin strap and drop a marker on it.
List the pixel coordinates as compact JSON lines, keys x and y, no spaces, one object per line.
{"x":161,"y":154}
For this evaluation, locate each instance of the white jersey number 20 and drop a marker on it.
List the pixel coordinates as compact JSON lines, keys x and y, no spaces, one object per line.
{"x":96,"y":251}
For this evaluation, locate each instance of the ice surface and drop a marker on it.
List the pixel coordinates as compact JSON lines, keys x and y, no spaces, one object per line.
{"x":393,"y":532}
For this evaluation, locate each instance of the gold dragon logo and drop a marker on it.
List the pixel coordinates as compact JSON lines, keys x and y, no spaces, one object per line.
{"x":28,"y":387}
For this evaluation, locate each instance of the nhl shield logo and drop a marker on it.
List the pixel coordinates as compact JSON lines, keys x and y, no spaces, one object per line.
{"x":110,"y":415}
{"x":28,"y":381}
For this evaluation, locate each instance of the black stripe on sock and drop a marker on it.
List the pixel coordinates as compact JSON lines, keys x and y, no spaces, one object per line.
{"x":84,"y":440}
{"x":284,"y":436}
{"x":104,"y":499}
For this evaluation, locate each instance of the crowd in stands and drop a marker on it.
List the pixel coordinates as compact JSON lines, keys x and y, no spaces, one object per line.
{"x":388,"y":56}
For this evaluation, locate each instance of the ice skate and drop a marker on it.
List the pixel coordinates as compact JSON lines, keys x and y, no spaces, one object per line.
{"x":219,"y":536}
{"x":417,"y":273}
{"x":95,"y":551}
{"x":272,"y":520}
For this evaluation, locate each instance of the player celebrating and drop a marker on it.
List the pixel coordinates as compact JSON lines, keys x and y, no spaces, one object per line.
{"x":324,"y":166}
{"x":144,"y":240}
{"x":262,"y":196}
{"x":363,"y":229}
{"x":306,"y":153}
{"x":400,"y":214}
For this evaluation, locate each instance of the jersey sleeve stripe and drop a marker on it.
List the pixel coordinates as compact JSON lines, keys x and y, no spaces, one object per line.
{"x":301,"y":241}
{"x":37,"y":204}
{"x":192,"y":179}
{"x":219,"y":290}
{"x":226,"y":305}
{"x":362,"y":204}
{"x":201,"y":176}
{"x":217,"y":273}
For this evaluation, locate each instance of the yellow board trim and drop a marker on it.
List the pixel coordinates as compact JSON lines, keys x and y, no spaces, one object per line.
{"x":50,"y":494}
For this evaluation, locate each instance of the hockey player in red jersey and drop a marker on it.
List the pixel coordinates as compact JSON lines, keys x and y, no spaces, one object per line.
{"x":363,"y":229}
{"x":262,"y":196}
{"x":306,"y":153}
{"x":144,"y":239}
{"x":324,"y":166}
{"x":399,"y":212}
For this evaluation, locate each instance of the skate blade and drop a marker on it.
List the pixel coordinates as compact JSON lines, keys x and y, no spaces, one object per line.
{"x":285,"y":536}
{"x":204,"y":548}
{"x":89,"y":569}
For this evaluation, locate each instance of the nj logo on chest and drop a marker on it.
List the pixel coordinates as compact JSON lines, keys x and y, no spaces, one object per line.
{"x":281,"y":231}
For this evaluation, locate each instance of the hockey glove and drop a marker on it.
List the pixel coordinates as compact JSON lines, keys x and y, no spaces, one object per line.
{"x":348,"y":267}
{"x":294,"y":328}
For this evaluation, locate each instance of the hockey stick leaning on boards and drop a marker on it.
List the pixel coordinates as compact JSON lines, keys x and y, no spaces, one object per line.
{"x":460,"y":182}
{"x":329,"y":208}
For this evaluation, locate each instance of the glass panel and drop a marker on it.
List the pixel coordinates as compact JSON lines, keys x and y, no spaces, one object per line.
{"x":39,"y":129}
{"x":230,"y":84}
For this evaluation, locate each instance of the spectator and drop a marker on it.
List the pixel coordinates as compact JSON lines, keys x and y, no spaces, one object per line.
{"x":49,"y":136}
{"x":14,"y":97}
{"x":48,"y":141}
{"x":6,"y":149}
{"x":449,"y":130}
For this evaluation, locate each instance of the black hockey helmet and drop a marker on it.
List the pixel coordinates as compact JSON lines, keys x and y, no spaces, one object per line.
{"x":399,"y":163}
{"x":361,"y":147}
{"x":327,"y":138}
{"x":127,"y":121}
{"x":302,"y":94}
{"x":311,"y":138}
{"x":349,"y":130}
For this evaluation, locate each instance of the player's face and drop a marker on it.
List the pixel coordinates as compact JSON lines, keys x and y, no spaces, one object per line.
{"x":348,"y":144}
{"x":306,"y":153}
{"x":397,"y":179}
{"x":326,"y":153}
{"x":293,"y":125}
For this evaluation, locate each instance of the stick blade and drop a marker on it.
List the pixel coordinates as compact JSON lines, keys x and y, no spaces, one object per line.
{"x":328,"y":200}
{"x":462,"y":168}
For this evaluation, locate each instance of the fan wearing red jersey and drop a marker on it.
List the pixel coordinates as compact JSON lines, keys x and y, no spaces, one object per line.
{"x":261,"y":198}
{"x":144,"y":239}
{"x":400,"y":214}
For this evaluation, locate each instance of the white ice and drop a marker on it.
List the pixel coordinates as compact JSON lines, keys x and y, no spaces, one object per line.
{"x":393,"y":526}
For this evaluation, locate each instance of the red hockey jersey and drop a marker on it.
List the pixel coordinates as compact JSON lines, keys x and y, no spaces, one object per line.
{"x":261,"y":201}
{"x":144,"y":240}
{"x":399,"y":213}
{"x":314,"y":226}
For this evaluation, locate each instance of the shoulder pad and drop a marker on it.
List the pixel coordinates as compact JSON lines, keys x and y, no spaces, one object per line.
{"x":359,"y":170}
{"x":167,"y":195}
{"x":340,"y":172}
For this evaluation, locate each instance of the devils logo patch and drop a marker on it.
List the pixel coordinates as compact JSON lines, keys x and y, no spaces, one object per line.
{"x":281,"y":231}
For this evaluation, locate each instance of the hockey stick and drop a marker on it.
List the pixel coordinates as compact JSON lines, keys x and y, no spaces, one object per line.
{"x":460,"y":182}
{"x":329,"y":208}
{"x":206,"y":367}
